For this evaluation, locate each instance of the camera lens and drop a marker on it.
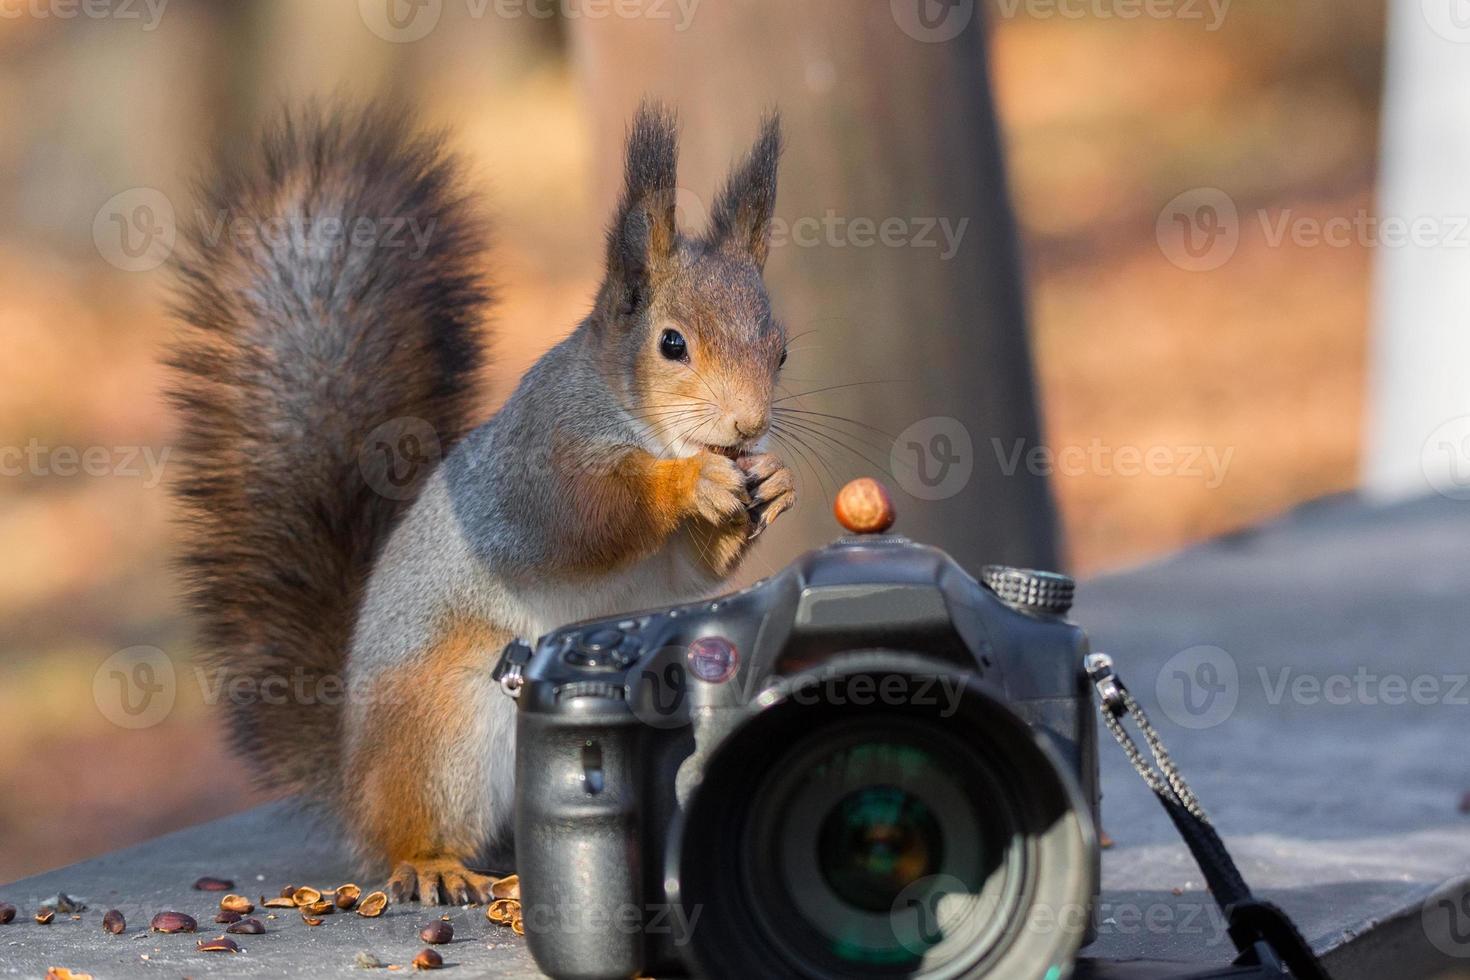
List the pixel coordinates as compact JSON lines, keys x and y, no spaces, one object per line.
{"x":872,"y":821}
{"x":830,"y":839}
{"x":876,"y":842}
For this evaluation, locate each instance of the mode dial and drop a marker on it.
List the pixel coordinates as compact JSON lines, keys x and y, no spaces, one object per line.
{"x":1029,"y":590}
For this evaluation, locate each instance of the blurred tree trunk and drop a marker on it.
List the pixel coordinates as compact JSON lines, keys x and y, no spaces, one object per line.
{"x":881,"y":128}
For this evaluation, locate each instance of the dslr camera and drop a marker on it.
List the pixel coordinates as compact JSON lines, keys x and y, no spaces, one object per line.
{"x":869,"y":764}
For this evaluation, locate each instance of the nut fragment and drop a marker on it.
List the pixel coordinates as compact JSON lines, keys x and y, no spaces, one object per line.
{"x":277,"y":903}
{"x":246,"y":927}
{"x":347,"y":896}
{"x":237,"y":903}
{"x":45,"y":916}
{"x":312,"y":920}
{"x":7,"y":913}
{"x":324,"y":907}
{"x":213,"y":885}
{"x":502,"y":911}
{"x":437,"y":932}
{"x":428,"y":960}
{"x":225,"y":918}
{"x":518,"y":926}
{"x":223,"y":944}
{"x":288,"y":891}
{"x":62,"y":973}
{"x":373,"y":905}
{"x":306,"y":895}
{"x":114,"y":922}
{"x":367,"y":961}
{"x":173,"y":922}
{"x":507,"y":887}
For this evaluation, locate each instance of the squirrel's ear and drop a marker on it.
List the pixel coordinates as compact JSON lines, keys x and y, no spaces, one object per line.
{"x":644,"y":231}
{"x":742,"y":216}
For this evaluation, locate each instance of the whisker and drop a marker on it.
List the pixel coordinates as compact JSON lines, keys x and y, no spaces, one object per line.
{"x":837,"y":481}
{"x":853,"y":384}
{"x":783,"y":409}
{"x":787,"y":443}
{"x":819,"y":434}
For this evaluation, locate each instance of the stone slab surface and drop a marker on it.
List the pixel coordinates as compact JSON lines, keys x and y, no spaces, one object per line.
{"x":1281,"y":665}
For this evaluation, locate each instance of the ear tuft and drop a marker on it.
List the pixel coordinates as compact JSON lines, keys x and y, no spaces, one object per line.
{"x":644,"y":231}
{"x":742,"y":216}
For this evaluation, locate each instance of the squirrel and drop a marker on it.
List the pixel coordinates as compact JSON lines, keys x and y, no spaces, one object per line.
{"x":627,"y":469}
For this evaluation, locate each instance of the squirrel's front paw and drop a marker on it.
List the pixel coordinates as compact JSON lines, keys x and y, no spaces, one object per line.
{"x":772,"y":489}
{"x":720,"y":494}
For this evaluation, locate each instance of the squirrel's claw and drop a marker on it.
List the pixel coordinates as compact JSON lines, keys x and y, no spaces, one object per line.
{"x":438,"y":881}
{"x":772,"y":490}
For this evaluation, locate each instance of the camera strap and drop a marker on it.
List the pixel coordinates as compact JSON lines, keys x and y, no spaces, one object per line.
{"x":1262,"y":933}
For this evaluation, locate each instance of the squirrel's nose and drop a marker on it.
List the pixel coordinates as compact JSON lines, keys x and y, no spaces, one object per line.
{"x":748,"y":428}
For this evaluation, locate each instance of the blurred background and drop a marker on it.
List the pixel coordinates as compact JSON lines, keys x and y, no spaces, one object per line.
{"x":1245,"y":377}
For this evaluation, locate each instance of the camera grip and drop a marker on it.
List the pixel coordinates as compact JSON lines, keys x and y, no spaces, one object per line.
{"x":579,"y":842}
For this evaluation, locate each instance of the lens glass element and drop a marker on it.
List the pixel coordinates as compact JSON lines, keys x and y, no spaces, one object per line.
{"x":876,"y":842}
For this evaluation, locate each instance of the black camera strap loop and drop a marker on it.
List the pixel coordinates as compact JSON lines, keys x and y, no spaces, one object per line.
{"x":1263,"y":933}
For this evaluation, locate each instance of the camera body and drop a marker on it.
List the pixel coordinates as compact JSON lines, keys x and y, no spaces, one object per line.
{"x":796,"y":779}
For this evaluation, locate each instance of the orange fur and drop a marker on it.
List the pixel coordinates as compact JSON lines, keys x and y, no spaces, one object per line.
{"x":416,"y":715}
{"x":624,"y":511}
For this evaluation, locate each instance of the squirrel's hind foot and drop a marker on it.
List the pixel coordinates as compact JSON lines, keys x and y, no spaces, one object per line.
{"x":438,"y":881}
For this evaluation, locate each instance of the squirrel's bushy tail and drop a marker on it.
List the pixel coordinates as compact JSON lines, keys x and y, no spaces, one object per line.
{"x":330,"y":287}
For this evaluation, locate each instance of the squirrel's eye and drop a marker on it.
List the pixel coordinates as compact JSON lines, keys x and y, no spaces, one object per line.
{"x":782,"y":362}
{"x":673,"y":346}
